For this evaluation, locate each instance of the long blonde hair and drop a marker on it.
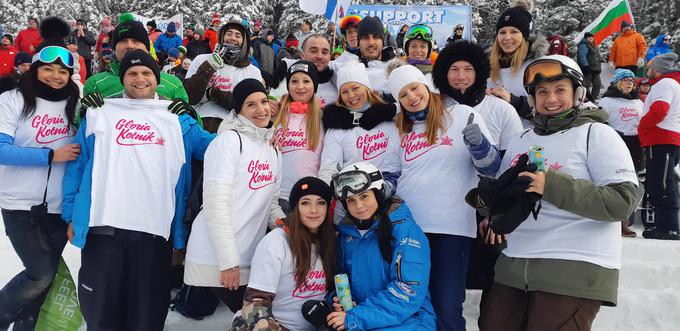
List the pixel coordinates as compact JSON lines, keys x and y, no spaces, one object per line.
{"x":312,"y":119}
{"x":436,"y":122}
{"x":518,"y":58}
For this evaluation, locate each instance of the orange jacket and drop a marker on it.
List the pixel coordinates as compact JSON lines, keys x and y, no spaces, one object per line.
{"x":627,"y":49}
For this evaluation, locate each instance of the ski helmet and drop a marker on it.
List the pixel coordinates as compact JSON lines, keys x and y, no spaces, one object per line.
{"x":552,"y":68}
{"x":356,"y":178}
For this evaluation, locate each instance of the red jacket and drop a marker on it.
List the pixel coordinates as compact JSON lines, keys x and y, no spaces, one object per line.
{"x":27,"y":38}
{"x":649,"y":132}
{"x":212,"y":36}
{"x":7,"y":60}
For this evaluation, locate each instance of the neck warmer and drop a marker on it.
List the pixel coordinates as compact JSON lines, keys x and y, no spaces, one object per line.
{"x":46,"y":92}
{"x":417,"y":116}
{"x":297,"y":107}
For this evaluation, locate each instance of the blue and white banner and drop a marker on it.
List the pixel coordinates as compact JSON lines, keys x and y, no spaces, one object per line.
{"x":442,"y":19}
{"x":162,"y":24}
{"x":333,"y":10}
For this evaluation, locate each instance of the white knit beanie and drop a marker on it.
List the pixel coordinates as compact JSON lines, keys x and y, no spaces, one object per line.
{"x":402,"y":76}
{"x":352,"y":72}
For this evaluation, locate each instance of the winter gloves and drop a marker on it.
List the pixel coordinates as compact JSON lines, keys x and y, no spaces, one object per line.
{"x":179,"y":107}
{"x":472,"y":134}
{"x":505,"y":200}
{"x":640,"y":62}
{"x":335,"y":117}
{"x":612,"y":67}
{"x":92,"y":100}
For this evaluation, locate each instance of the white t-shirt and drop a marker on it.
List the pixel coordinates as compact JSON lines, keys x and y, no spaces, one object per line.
{"x":224,"y":79}
{"x":501,"y":119}
{"x":138,"y":156}
{"x":624,"y":114}
{"x":298,"y":160}
{"x":435,"y":178}
{"x":273,"y":271}
{"x":668,"y":91}
{"x":254,"y":177}
{"x":513,"y":83}
{"x":558,"y":234}
{"x":380,"y":146}
{"x":24,"y":186}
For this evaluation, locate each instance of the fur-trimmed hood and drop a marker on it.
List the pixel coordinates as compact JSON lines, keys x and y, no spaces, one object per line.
{"x":462,"y":51}
{"x":538,"y":46}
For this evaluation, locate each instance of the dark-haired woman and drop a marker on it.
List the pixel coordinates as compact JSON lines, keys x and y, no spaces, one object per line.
{"x":36,"y":129}
{"x":385,"y":255}
{"x":292,"y":264}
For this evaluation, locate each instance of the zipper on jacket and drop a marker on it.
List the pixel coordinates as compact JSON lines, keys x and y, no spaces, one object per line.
{"x":526,"y":277}
{"x":397,"y":266}
{"x":665,"y":173}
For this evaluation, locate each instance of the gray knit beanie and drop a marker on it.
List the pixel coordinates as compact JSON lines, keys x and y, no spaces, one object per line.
{"x":665,"y":63}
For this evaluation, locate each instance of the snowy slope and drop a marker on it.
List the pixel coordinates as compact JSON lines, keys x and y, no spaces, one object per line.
{"x":649,"y":291}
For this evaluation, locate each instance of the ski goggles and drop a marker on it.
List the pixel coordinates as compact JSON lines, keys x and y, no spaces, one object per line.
{"x":547,"y":70}
{"x":354,"y":182}
{"x":349,"y":21}
{"x":50,"y":54}
{"x":419,"y":31}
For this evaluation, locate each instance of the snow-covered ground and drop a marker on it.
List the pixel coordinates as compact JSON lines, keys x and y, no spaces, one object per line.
{"x":649,"y":290}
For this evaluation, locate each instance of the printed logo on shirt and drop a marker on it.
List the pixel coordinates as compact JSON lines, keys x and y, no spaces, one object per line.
{"x":372,"y":145}
{"x":221,"y":82}
{"x":131,"y":133}
{"x":406,"y":288}
{"x":628,"y":114}
{"x":314,"y":285}
{"x":291,"y":141}
{"x":554,"y":166}
{"x":50,"y":128}
{"x":261,"y":174}
{"x":415,"y":145}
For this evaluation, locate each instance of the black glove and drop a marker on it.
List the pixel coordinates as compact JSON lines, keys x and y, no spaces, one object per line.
{"x":509,"y":214}
{"x":315,"y":312}
{"x":490,"y":190}
{"x":377,"y":114}
{"x":179,"y":107}
{"x":335,"y":117}
{"x":92,"y":100}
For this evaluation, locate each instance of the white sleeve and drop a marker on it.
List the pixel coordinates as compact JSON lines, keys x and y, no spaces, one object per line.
{"x":193,"y":67}
{"x":275,"y":211}
{"x":267,"y":263}
{"x":331,"y":156}
{"x":221,"y":159}
{"x":511,"y":126}
{"x":10,"y":112}
{"x":609,"y":160}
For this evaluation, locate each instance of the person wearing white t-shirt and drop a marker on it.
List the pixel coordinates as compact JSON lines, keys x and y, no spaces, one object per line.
{"x":360,"y":127}
{"x":568,"y":259}
{"x":442,"y":150}
{"x":299,"y":134}
{"x":125,"y":195}
{"x":293,"y":264}
{"x":37,"y":124}
{"x":241,"y":183}
{"x":512,"y":50}
{"x":211,"y":78}
{"x":461,"y":73}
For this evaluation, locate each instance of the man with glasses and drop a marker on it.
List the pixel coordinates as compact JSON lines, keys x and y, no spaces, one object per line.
{"x":86,"y":40}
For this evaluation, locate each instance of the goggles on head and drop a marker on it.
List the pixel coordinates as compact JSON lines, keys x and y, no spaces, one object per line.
{"x":349,"y":21}
{"x":50,"y":54}
{"x":419,"y":31}
{"x":354,"y":182}
{"x":547,"y":70}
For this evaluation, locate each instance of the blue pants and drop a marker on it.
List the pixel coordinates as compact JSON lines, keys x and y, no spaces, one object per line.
{"x":449,"y":257}
{"x":38,"y":242}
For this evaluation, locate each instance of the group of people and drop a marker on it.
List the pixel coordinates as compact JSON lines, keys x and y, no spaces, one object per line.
{"x":416,"y":179}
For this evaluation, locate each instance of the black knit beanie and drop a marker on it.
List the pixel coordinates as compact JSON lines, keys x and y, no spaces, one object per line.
{"x":244,"y":89}
{"x":517,"y":16}
{"x":462,"y":51}
{"x":129,"y":28}
{"x":138,"y":57}
{"x":309,"y":185}
{"x":53,"y":30}
{"x":304,"y":66}
{"x":371,"y":25}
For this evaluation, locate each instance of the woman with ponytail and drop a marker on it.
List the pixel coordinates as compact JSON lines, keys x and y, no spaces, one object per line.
{"x":385,"y":255}
{"x":36,"y":130}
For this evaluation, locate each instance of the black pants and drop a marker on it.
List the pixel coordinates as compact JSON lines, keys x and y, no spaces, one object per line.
{"x":233,"y":299}
{"x":123,"y":282}
{"x":661,"y":185}
{"x":592,"y":79}
{"x":633,"y":144}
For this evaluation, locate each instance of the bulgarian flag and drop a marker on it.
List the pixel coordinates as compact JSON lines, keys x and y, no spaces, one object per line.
{"x":609,"y":22}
